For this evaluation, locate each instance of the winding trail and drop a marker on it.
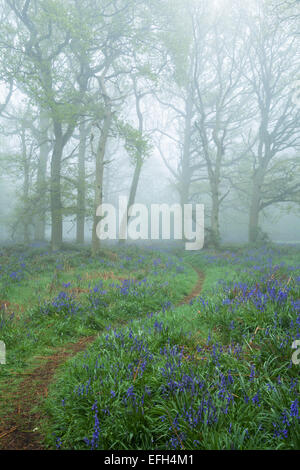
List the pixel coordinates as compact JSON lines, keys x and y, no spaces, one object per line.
{"x":196,"y":290}
{"x":20,"y":429}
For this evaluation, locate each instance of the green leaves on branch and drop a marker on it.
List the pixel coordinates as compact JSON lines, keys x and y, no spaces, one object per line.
{"x":137,"y":145}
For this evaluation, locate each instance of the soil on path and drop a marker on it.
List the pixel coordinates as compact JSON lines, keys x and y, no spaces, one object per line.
{"x":20,"y":430}
{"x":197,"y":289}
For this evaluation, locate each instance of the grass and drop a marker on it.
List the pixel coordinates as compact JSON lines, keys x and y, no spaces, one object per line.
{"x":213,"y":374}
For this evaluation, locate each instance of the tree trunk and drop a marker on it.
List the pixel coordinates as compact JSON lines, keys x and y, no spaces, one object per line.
{"x":99,"y":177}
{"x":132,"y":194}
{"x":253,"y":229}
{"x":56,"y":205}
{"x":253,"y":223}
{"x":255,"y":205}
{"x":41,"y":186}
{"x":215,"y":212}
{"x":185,"y":180}
{"x":215,"y":180}
{"x":185,"y":162}
{"x":138,"y":164}
{"x":26,"y":168}
{"x":81,"y":186}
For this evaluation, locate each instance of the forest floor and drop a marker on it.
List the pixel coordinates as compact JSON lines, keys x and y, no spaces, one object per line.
{"x":20,"y":428}
{"x":195,"y":349}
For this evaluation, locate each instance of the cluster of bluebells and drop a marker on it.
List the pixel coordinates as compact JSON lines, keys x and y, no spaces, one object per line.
{"x":93,"y":443}
{"x":63,"y":304}
{"x":12,"y":271}
{"x":207,"y":394}
{"x":288,"y":418}
{"x":273,"y":303}
{"x":125,"y":290}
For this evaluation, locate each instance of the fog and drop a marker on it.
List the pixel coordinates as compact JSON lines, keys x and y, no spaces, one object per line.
{"x":149,"y":227}
{"x":164,"y":102}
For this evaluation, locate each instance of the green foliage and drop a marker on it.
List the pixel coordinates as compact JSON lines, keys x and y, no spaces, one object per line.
{"x":178,"y":38}
{"x":137,"y":145}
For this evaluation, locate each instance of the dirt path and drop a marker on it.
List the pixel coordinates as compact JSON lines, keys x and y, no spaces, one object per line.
{"x":20,"y":429}
{"x":197,"y":289}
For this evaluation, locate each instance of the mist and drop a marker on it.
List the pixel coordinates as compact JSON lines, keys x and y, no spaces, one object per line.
{"x":190,"y":108}
{"x":188,"y":102}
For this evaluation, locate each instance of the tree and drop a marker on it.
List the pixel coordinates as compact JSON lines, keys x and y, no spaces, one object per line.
{"x":220,"y":101}
{"x":22,"y":165}
{"x":276,"y":138}
{"x":43,"y":34}
{"x":178,"y":93}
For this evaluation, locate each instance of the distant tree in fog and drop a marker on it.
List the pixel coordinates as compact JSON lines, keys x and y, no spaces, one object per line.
{"x":273,"y":64}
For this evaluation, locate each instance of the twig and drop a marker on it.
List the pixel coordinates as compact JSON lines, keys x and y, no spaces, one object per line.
{"x":8,"y":432}
{"x":137,"y":370}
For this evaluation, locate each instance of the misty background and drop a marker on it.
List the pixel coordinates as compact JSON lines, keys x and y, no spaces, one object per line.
{"x":167,"y":101}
